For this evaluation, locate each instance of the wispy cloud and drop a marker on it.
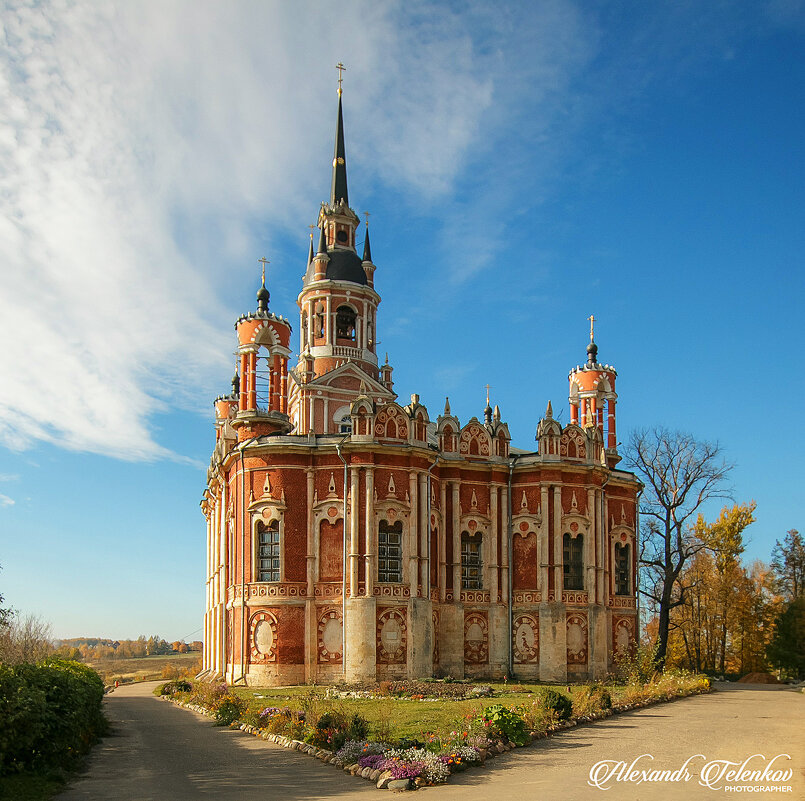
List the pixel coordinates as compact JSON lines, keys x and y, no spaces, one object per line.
{"x":6,"y":501}
{"x":152,"y":150}
{"x":146,"y":144}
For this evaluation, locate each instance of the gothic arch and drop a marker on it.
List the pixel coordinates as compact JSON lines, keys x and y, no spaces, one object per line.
{"x":474,"y":441}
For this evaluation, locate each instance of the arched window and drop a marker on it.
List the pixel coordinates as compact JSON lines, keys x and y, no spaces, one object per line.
{"x":263,"y":379}
{"x":304,"y":330}
{"x":268,"y":551}
{"x":345,"y":424}
{"x":573,"y":562}
{"x":345,"y":323}
{"x":389,"y":552}
{"x":622,"y":569}
{"x":471,"y":564}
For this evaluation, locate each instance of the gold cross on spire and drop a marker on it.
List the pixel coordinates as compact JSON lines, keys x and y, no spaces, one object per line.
{"x":311,"y":231}
{"x":367,"y":215}
{"x":340,"y":67}
{"x":264,"y":261}
{"x":591,"y":318}
{"x":487,"y":394}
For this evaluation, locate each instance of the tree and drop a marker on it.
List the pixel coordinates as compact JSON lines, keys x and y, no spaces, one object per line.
{"x":724,"y":538}
{"x":25,"y":640}
{"x":680,"y":474}
{"x":6,"y":614}
{"x":787,"y":648}
{"x":788,"y":565}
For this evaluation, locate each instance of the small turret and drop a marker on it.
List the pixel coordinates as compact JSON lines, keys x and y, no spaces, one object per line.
{"x":593,"y":397}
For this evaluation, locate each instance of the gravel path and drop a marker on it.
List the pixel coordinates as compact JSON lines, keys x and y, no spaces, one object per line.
{"x":158,"y":751}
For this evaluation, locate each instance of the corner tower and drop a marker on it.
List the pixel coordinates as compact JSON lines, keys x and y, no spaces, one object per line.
{"x":593,"y":398}
{"x":261,"y":383}
{"x":338,"y":315}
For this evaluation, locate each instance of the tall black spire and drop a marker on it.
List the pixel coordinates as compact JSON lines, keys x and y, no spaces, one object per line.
{"x":338,"y":191}
{"x":367,"y":250}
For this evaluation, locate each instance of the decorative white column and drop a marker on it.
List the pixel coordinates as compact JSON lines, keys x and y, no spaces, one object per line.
{"x":557,"y":541}
{"x":493,"y":545}
{"x":504,"y":544}
{"x":311,"y":544}
{"x":456,"y":543}
{"x":443,"y":541}
{"x":413,"y":539}
{"x":371,"y":532}
{"x":544,"y":555}
{"x":591,"y":546}
{"x":424,"y":523}
{"x":354,"y":508}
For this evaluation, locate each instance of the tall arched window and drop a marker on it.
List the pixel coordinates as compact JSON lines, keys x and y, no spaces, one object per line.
{"x":345,"y":424}
{"x":622,"y":569}
{"x":262,"y":383}
{"x":573,"y":558}
{"x":268,"y":551}
{"x":345,"y":323}
{"x":471,"y":563}
{"x":389,"y":552}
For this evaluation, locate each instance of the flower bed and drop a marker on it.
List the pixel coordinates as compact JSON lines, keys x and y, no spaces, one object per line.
{"x":341,"y":739}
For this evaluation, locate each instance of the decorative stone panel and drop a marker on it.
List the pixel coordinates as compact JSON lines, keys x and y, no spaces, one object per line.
{"x":476,"y":638}
{"x":263,"y":637}
{"x":525,"y":632}
{"x":576,"y":639}
{"x":392,"y":630}
{"x":330,"y":633}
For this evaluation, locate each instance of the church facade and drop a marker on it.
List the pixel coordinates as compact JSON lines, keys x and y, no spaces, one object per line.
{"x":353,"y":538}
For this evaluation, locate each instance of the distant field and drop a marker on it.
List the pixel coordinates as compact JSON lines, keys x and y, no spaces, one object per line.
{"x":144,"y":668}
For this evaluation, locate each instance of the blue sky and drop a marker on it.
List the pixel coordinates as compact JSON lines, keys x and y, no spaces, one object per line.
{"x":525,"y":164}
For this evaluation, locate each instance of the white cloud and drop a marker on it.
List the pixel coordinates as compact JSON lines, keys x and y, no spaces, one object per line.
{"x":148,"y":145}
{"x":6,"y":501}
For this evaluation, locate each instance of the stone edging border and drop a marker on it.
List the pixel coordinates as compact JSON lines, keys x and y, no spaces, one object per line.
{"x":384,"y":780}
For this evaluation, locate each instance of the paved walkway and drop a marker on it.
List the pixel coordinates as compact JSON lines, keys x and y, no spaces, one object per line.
{"x":159,"y":752}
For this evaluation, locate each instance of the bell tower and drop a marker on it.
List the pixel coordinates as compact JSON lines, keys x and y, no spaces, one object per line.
{"x":338,"y":312}
{"x":593,"y":398}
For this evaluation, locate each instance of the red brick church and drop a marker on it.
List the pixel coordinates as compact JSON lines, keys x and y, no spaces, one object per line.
{"x":351,"y":537}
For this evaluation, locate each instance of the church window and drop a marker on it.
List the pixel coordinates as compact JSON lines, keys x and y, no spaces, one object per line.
{"x":471,"y":565}
{"x":345,"y":425}
{"x":573,"y":562}
{"x":622,"y":569}
{"x":268,"y":551}
{"x":263,"y":378}
{"x":345,"y":323}
{"x":389,"y":552}
{"x":304,"y":330}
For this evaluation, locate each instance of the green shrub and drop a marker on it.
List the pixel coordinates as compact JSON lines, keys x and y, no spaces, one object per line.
{"x":508,"y":722}
{"x":560,"y":704}
{"x":50,"y":714}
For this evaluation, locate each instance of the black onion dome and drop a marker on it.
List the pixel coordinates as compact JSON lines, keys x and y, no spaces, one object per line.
{"x":592,"y":353}
{"x":345,"y":265}
{"x":263,"y":298}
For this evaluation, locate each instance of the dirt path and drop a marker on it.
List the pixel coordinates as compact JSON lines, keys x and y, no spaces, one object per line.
{"x":160,"y":752}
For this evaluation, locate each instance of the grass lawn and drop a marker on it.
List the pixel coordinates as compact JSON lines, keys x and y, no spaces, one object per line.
{"x":144,"y":668}
{"x":394,"y":718}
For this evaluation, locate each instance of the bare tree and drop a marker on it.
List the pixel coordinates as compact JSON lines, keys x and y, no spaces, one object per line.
{"x":680,"y":474}
{"x":25,"y":640}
